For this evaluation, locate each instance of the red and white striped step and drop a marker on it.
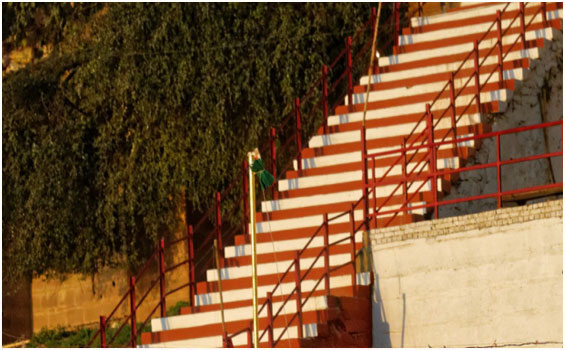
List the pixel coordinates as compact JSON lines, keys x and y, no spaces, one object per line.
{"x":330,"y":177}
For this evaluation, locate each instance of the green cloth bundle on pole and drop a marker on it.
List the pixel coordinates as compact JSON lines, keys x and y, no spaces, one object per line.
{"x":266,"y":179}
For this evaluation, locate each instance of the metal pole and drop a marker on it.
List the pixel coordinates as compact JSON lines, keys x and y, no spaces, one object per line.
{"x":404,"y":173}
{"x":252,"y":229}
{"x":365,"y":179}
{"x":219,"y":271}
{"x":298,"y":134}
{"x":219,"y":224}
{"x":477,"y":76}
{"x":499,"y":36}
{"x":162,"y":277}
{"x":297,"y":281}
{"x":432,"y":158}
{"x":245,"y":198}
{"x":133,"y":309}
{"x":270,"y":318}
{"x":523,"y":26}
{"x":375,"y":65}
{"x":250,"y":335}
{"x":544,"y":14}
{"x":274,"y":164}
{"x":498,"y":173}
{"x":191,"y":272}
{"x":327,"y":253}
{"x":325,"y":96}
{"x":352,"y":238}
{"x":453,"y":110}
{"x":349,"y":73}
{"x":102,"y":331}
{"x":396,"y":11}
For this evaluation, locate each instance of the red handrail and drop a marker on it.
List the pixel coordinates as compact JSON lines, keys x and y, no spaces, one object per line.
{"x":476,"y":74}
{"x":426,"y":177}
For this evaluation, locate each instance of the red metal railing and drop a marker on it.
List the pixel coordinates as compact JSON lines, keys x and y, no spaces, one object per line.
{"x":300,"y":275}
{"x":433,"y":174}
{"x":215,"y":211}
{"x":322,"y":106}
{"x":451,"y":110}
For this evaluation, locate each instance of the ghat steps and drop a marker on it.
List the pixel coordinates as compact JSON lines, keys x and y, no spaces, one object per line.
{"x":329,"y":180}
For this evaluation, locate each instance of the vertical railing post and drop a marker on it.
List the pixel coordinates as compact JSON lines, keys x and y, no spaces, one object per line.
{"x":523,"y":26}
{"x":162,"y":292}
{"x":352,"y":252}
{"x":270,"y":318}
{"x":298,"y":134}
{"x":250,"y":335}
{"x":227,"y":341}
{"x":374,"y":26}
{"x":219,"y":226}
{"x":365,"y":178}
{"x":245,"y":184}
{"x":498,"y":174}
{"x":544,"y":14}
{"x":452,"y":107}
{"x":396,"y":14}
{"x":274,"y":164}
{"x":102,"y":331}
{"x":477,"y":75}
{"x":327,"y":253}
{"x":133,"y":341}
{"x":349,"y":74}
{"x":432,"y":157}
{"x":420,"y":12}
{"x":298,"y":282}
{"x":191,"y":272}
{"x":404,"y":174}
{"x":325,"y":96}
{"x":499,"y":44}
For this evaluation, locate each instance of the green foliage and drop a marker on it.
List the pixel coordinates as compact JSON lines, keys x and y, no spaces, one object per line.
{"x":61,"y":338}
{"x":175,"y":310}
{"x":101,"y":138}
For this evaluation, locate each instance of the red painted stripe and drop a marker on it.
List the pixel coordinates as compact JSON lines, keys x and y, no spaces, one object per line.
{"x":438,"y":77}
{"x":435,"y":44}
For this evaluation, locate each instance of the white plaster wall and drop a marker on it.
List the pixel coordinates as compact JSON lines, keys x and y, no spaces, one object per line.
{"x":537,"y":99}
{"x":500,"y":284}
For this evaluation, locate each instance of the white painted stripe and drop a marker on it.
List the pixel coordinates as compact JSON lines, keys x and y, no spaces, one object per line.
{"x":420,"y":107}
{"x":231,"y":315}
{"x":286,"y":288}
{"x":414,"y":90}
{"x":532,"y":53}
{"x":464,"y":14}
{"x":401,"y":129}
{"x":471,"y":29}
{"x":342,"y":158}
{"x":271,"y":268}
{"x":288,"y":245}
{"x":321,"y":199}
{"x":546,"y":33}
{"x":241,"y":339}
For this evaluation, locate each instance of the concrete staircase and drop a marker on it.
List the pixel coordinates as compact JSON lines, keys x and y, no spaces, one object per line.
{"x":330,"y":181}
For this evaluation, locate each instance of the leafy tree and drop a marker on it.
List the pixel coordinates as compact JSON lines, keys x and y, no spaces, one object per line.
{"x":137,"y":103}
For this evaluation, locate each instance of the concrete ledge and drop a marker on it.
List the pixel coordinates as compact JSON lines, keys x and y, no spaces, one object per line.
{"x":458,"y":224}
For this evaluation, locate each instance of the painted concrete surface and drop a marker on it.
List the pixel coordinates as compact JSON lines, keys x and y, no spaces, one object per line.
{"x":499,"y":284}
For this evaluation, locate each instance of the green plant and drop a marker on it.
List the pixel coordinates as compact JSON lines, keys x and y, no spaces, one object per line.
{"x":175,"y":310}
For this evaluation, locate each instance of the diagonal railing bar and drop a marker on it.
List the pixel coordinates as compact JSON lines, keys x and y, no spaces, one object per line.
{"x":414,"y":140}
{"x":427,"y":177}
{"x":119,"y":329}
{"x":316,"y":106}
